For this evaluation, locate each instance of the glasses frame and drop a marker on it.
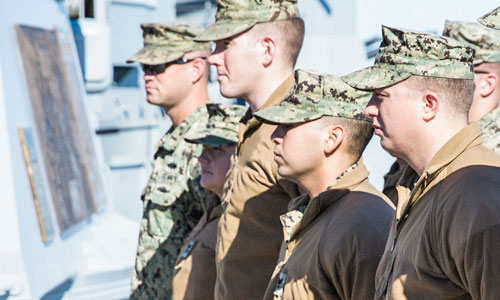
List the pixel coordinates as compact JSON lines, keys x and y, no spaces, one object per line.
{"x":160,"y":68}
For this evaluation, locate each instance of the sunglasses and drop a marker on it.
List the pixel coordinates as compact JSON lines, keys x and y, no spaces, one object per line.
{"x":158,"y":69}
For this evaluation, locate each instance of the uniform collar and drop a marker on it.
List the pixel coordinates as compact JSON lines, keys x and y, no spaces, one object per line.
{"x":492,"y":115}
{"x":175,"y":135}
{"x":249,"y":122}
{"x":410,"y":191}
{"x":315,"y":206}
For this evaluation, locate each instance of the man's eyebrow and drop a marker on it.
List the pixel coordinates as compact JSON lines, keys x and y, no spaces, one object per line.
{"x":381,"y":93}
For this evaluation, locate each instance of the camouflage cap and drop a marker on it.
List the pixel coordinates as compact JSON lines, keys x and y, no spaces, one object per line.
{"x":484,"y":40}
{"x":164,"y":43}
{"x":404,"y":53}
{"x":316,"y":95}
{"x":221,"y":129}
{"x":236,"y":16}
{"x":491,"y":19}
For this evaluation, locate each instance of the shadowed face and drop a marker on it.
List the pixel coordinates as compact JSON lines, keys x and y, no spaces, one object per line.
{"x":215,"y":162}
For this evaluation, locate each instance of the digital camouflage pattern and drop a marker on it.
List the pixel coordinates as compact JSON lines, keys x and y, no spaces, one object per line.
{"x":490,"y":129}
{"x":164,"y":43}
{"x":491,"y":19}
{"x":236,"y":16}
{"x":291,"y":219}
{"x":173,"y":204}
{"x":315,"y":95}
{"x":404,"y":53}
{"x":485,"y":41}
{"x":221,"y":128}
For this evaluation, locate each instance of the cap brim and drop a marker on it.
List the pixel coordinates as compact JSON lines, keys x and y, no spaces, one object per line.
{"x":154,"y":56}
{"x":275,"y":114}
{"x":374,"y":77}
{"x":491,"y":19}
{"x":224,"y":29}
{"x":210,"y":140}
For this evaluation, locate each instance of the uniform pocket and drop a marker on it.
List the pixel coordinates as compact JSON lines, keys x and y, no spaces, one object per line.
{"x":160,"y":221}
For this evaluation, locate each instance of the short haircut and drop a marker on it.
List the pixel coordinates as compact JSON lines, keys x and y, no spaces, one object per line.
{"x":457,"y":93}
{"x":289,"y":32}
{"x":358,"y":133}
{"x":492,"y":67}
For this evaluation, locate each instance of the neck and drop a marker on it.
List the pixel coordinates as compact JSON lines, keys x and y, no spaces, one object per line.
{"x":188,"y":105}
{"x":491,"y":104}
{"x":266,"y":86}
{"x":322,"y":178}
{"x":425,"y":148}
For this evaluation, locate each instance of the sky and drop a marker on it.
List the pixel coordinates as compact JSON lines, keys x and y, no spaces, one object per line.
{"x":421,"y":15}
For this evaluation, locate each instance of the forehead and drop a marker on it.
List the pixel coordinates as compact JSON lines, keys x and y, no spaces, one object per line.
{"x":235,"y":38}
{"x":300,"y":126}
{"x":402,"y":86}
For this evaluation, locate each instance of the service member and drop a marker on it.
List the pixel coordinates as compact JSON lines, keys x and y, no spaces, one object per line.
{"x":336,"y":231}
{"x":491,"y":19}
{"x":176,"y":76}
{"x":444,"y":241}
{"x":257,"y":44}
{"x":484,"y":108}
{"x":194,"y":275}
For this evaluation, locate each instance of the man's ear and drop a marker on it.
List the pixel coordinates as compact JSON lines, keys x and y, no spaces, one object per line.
{"x":487,"y":84}
{"x":198,"y":67}
{"x":430,"y":104}
{"x":336,"y":135}
{"x":268,"y":44}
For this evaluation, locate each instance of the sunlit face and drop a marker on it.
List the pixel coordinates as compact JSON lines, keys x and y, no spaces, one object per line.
{"x":169,"y":87}
{"x":236,"y":60}
{"x":395,"y":113}
{"x":215,"y":162}
{"x":299,"y":149}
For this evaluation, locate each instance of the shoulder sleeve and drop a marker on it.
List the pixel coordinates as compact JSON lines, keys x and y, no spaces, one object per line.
{"x":467,"y":230}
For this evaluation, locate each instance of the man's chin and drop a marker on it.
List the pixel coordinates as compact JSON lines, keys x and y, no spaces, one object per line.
{"x":283,"y":173}
{"x":228,"y":93}
{"x":387,"y":146}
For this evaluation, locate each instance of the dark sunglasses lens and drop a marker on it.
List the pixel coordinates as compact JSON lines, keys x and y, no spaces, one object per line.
{"x":154,"y":69}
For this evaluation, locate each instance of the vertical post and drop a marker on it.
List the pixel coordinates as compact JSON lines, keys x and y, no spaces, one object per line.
{"x":32,"y":182}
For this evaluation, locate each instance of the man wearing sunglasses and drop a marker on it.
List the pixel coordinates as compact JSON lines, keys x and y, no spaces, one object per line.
{"x":176,"y":77}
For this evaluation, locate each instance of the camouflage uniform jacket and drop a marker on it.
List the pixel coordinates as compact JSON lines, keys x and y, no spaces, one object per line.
{"x":173,"y":205}
{"x":333,"y":242}
{"x":250,"y":234}
{"x":444,"y":241}
{"x":490,"y":129}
